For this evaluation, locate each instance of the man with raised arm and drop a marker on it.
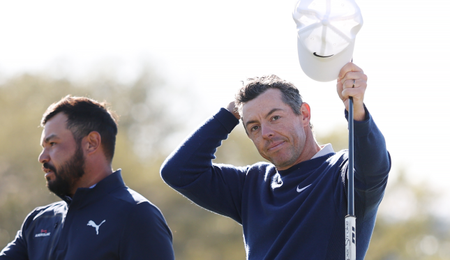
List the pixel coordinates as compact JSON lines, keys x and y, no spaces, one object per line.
{"x":293,"y":207}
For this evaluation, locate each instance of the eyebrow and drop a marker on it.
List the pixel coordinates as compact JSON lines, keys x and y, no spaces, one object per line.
{"x":268,"y":114}
{"x":49,"y":138}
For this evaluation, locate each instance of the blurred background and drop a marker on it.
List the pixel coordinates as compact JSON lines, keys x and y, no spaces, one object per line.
{"x":165,"y":67}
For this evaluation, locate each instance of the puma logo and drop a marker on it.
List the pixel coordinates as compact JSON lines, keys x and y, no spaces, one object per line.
{"x":92,"y":224}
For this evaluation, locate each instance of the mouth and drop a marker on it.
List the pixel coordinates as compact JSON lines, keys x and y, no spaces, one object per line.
{"x":275,"y":146}
{"x":48,"y":174}
{"x":48,"y":170}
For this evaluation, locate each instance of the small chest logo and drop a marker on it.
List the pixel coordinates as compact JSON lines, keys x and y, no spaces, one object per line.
{"x":91,"y":223}
{"x":303,"y":188}
{"x":43,"y":233}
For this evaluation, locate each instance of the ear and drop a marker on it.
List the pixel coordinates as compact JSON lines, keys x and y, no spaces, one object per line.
{"x":305,"y":110}
{"x":92,"y":142}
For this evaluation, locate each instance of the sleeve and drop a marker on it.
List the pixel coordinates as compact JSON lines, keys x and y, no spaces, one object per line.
{"x":190,"y":171}
{"x":147,"y":235}
{"x":372,"y":166}
{"x":17,"y":249}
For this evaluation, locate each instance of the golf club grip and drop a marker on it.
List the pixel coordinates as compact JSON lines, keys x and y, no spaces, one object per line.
{"x":350,"y":237}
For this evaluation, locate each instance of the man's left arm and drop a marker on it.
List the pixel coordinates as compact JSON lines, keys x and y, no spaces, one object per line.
{"x":372,"y":160}
{"x":146,"y":235}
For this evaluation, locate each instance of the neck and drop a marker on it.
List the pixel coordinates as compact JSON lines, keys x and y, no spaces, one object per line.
{"x":92,"y":177}
{"x":311,"y":147}
{"x":309,"y":150}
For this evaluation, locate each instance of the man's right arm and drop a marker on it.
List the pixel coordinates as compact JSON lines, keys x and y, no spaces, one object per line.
{"x":234,"y":110}
{"x":16,"y":249}
{"x":190,"y":171}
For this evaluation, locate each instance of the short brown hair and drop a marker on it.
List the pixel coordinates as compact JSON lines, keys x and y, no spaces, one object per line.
{"x":253,"y":87}
{"x":85,"y":115}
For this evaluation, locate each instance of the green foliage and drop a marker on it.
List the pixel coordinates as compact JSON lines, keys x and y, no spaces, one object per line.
{"x":23,"y":100}
{"x":238,"y":149}
{"x":146,"y":125}
{"x":406,"y":227}
{"x":149,"y":120}
{"x":338,"y":138}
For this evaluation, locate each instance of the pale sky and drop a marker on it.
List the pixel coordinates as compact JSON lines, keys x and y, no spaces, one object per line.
{"x":213,"y":45}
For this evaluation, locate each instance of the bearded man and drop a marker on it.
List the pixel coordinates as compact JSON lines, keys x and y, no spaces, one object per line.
{"x":98,"y":217}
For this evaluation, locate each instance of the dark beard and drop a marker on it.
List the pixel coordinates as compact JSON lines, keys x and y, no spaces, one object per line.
{"x":67,"y":175}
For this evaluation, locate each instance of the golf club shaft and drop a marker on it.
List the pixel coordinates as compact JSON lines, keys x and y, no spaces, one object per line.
{"x":350,"y":219}
{"x":351,"y":162}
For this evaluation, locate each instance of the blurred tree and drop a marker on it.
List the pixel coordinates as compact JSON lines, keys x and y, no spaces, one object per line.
{"x":22,"y":101}
{"x":151,"y":112}
{"x":152,"y":115}
{"x":406,"y":227}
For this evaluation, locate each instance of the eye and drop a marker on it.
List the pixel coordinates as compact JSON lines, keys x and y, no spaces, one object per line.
{"x":52,"y":143}
{"x":254,"y":128}
{"x":274,"y":118}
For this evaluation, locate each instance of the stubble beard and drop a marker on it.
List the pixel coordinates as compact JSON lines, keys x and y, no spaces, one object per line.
{"x":286,"y":157}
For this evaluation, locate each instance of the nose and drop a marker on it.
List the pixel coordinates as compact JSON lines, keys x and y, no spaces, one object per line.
{"x":267,"y":131}
{"x":43,"y":157}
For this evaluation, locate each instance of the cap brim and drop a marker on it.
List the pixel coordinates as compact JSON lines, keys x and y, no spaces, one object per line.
{"x":323,"y":69}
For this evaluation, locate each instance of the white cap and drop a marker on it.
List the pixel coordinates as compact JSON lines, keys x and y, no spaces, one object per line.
{"x":326,"y":32}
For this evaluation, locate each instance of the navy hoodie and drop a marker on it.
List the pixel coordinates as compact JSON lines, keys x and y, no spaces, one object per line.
{"x":109,"y":221}
{"x":297,"y":213}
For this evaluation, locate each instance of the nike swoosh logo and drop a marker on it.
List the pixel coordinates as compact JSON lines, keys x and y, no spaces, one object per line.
{"x":302,"y":189}
{"x":320,"y":56}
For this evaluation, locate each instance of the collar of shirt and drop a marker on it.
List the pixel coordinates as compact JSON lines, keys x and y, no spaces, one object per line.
{"x":325,"y":149}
